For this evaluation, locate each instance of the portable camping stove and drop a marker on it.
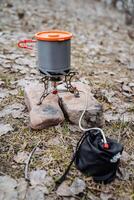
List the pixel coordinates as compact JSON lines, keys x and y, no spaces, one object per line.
{"x":53,"y":49}
{"x":57,"y":80}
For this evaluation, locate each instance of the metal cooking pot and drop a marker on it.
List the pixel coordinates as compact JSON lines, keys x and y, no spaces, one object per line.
{"x":53,"y":49}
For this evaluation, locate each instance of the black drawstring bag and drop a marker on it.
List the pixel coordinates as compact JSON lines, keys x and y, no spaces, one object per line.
{"x":93,"y":158}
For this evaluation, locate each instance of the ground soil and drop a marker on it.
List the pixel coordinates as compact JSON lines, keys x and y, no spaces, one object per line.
{"x":102,"y":53}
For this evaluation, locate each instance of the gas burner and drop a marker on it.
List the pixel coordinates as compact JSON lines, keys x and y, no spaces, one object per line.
{"x":55,"y":81}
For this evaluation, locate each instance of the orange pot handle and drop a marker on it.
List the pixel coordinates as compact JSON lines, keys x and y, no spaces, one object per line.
{"x":23,"y":44}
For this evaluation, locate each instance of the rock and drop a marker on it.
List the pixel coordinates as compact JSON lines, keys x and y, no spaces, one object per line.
{"x":45,"y":115}
{"x":24,"y":62}
{"x":64,"y":190}
{"x":40,"y":177}
{"x":54,"y":141}
{"x":22,"y":188}
{"x":123,"y":174}
{"x":48,"y":181}
{"x":73,"y":106}
{"x":110,"y":116}
{"x":126,"y":88}
{"x":78,"y":186}
{"x":13,"y":92}
{"x":21,"y":157}
{"x":119,"y":5}
{"x":131,"y":64}
{"x":25,"y":82}
{"x":3,"y":93}
{"x":128,"y":95}
{"x":125,"y":156}
{"x":73,"y":128}
{"x":5,"y":128}
{"x":131,"y":84}
{"x":37,"y":177}
{"x":15,"y":110}
{"x":34,"y":194}
{"x":105,"y":196}
{"x":7,"y":188}
{"x":107,"y":95}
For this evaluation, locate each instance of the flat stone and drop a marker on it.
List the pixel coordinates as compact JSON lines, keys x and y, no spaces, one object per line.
{"x":78,"y":186}
{"x":54,"y":141}
{"x":48,"y":113}
{"x":125,"y":157}
{"x":34,"y":194}
{"x":73,"y":106}
{"x":5,"y":128}
{"x":37,"y":177}
{"x":22,"y":188}
{"x":3,"y":93}
{"x":64,"y":190}
{"x":40,"y":178}
{"x":21,"y":157}
{"x":15,"y":110}
{"x":8,"y":188}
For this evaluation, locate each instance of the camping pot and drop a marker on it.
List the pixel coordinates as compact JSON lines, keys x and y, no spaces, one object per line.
{"x":53,"y":50}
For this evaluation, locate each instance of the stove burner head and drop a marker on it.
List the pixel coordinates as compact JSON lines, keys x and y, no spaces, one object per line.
{"x":55,"y":81}
{"x":55,"y":74}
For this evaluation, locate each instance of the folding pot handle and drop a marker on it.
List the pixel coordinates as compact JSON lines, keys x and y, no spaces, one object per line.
{"x":23,"y":44}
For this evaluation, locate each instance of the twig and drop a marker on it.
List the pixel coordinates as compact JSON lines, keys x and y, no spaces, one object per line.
{"x":28,"y":162}
{"x":2,"y":173}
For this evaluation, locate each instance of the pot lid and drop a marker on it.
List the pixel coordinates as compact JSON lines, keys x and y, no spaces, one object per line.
{"x":53,"y":35}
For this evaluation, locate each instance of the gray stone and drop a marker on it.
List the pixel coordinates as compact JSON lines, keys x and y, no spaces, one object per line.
{"x":40,"y":178}
{"x":5,"y":128}
{"x":73,"y":106}
{"x":105,"y":196}
{"x":109,"y":116}
{"x":64,"y":190}
{"x":119,"y":5}
{"x":15,"y":110}
{"x":131,"y":84}
{"x":37,"y":177}
{"x":78,"y":186}
{"x":8,"y":188}
{"x":126,"y":88}
{"x":45,"y":115}
{"x":22,"y":188}
{"x":3,"y":93}
{"x":34,"y":194}
{"x":123,"y":174}
{"x":21,"y":157}
{"x":125,"y":156}
{"x":26,"y":82}
{"x":54,"y":141}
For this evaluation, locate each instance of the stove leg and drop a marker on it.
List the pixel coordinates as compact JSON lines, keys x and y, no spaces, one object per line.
{"x":45,"y":80}
{"x":70,"y":88}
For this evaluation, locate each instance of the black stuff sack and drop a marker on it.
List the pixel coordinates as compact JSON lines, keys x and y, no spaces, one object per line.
{"x":92,"y":157}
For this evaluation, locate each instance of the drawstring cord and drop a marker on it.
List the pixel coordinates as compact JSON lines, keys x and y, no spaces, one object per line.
{"x":85,"y":134}
{"x":89,"y":129}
